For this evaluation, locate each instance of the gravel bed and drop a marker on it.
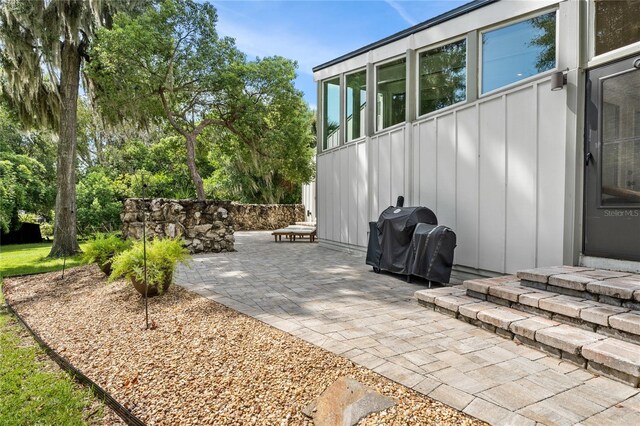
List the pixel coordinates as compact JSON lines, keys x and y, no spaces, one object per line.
{"x":203,"y":363}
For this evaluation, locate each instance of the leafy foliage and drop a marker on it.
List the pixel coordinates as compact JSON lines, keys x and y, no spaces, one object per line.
{"x":103,"y":248}
{"x":44,"y":45}
{"x":99,"y":202}
{"x":169,"y":63}
{"x":162,"y":257}
{"x":26,"y":172}
{"x":23,"y":185}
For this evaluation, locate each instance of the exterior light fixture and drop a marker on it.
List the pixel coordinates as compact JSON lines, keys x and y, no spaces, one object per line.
{"x":558,"y":80}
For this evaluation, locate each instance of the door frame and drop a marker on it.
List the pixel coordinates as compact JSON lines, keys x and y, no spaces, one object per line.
{"x":592,"y":154}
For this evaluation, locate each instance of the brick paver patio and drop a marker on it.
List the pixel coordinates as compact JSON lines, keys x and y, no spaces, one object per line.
{"x":333,"y":300}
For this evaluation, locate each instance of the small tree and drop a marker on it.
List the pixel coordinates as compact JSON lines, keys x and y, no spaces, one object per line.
{"x":169,"y":63}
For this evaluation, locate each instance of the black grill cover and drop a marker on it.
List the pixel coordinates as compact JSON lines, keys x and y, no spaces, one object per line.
{"x":373,"y":249}
{"x":395,"y":231}
{"x":432,"y":247}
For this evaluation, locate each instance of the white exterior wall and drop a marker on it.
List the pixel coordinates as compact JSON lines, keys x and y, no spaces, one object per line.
{"x":494,"y":170}
{"x":309,"y":201}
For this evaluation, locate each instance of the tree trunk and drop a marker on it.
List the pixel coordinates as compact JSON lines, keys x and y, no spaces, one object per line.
{"x":65,"y":242}
{"x":191,"y":163}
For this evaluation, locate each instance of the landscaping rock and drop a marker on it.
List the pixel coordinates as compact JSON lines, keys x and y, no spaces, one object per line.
{"x":346,"y":402}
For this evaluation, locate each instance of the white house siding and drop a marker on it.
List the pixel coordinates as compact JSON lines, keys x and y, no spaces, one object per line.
{"x":343,"y":195}
{"x":309,"y":201}
{"x":492,"y":170}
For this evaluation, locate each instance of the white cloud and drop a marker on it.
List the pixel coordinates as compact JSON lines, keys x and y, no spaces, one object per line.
{"x":403,"y":13}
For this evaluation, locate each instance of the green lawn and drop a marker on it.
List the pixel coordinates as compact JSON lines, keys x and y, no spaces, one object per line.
{"x":24,"y":259}
{"x":35,"y":392}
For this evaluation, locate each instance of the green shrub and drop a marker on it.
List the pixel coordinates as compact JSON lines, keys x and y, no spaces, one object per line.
{"x":102,"y":249}
{"x":46,"y":230}
{"x":162,"y":257}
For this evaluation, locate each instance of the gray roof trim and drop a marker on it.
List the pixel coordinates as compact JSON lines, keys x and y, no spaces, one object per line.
{"x":454,"y":13}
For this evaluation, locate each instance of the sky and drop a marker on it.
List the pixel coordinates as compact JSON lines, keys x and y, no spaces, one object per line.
{"x":314,"y":32}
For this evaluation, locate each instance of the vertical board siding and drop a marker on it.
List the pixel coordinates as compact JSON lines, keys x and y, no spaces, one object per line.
{"x":467,"y":188}
{"x":384,"y":171}
{"x":344,"y":187}
{"x":521,"y":180}
{"x":446,"y":171}
{"x":321,"y":203}
{"x":351,"y":190}
{"x":551,"y":174}
{"x":493,"y":171}
{"x":427,"y":172}
{"x":374,"y":177}
{"x":363,"y":188}
{"x":492,"y":179}
{"x":414,"y":199}
{"x":335,"y":195}
{"x":398,"y":167}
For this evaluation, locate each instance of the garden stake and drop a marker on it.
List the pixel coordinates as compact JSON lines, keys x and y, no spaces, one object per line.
{"x":144,"y":252}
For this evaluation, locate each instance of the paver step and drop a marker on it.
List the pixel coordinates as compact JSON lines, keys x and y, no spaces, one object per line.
{"x":614,"y":321}
{"x":607,"y":356}
{"x":610,"y":287}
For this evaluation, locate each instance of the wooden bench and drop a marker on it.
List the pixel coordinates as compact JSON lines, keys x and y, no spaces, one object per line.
{"x":293,"y":232}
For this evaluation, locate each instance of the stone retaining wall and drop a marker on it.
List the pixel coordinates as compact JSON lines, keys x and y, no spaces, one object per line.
{"x":206,"y":226}
{"x":258,"y":217}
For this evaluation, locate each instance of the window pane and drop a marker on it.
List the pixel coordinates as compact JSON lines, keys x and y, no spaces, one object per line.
{"x":621,"y":140}
{"x":443,"y":74}
{"x":518,"y":51}
{"x":390,"y":94}
{"x":616,"y":24}
{"x":356,"y":102}
{"x":331,"y":113}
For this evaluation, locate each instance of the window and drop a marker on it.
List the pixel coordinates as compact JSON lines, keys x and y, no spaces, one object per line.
{"x":616,"y":24}
{"x":391,"y":90}
{"x":443,"y":75}
{"x":331,"y":113}
{"x":356,"y":98}
{"x":518,"y":51}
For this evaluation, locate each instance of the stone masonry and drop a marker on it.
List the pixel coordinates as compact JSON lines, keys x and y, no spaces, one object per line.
{"x":206,"y":226}
{"x":265,"y":217}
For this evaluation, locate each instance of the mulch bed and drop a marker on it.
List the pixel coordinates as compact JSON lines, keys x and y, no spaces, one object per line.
{"x":203,"y":363}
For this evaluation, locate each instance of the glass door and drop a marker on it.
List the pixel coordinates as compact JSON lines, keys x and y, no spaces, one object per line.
{"x":612,"y":161}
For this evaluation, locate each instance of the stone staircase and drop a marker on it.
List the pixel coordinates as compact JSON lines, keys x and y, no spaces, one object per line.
{"x":586,"y":316}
